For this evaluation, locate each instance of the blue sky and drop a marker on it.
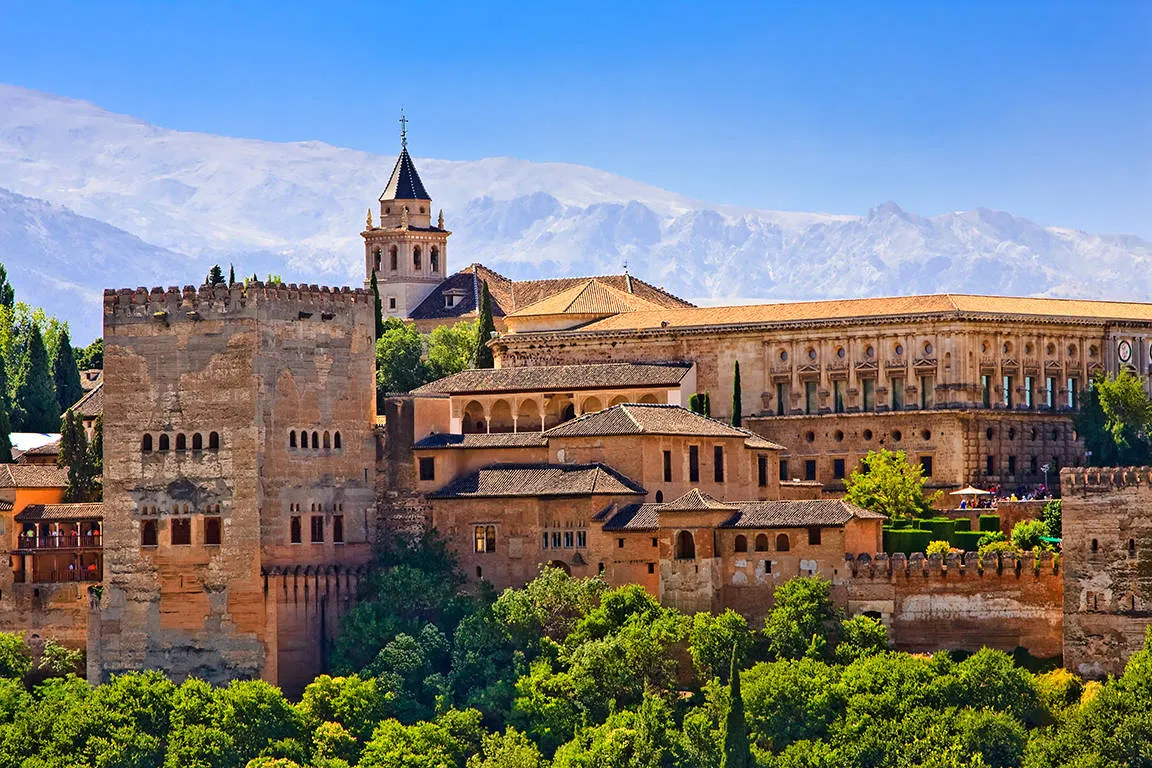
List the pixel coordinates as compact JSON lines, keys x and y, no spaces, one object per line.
{"x":1041,"y":109}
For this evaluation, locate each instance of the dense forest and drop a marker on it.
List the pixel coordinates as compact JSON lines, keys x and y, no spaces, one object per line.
{"x":573,"y":674}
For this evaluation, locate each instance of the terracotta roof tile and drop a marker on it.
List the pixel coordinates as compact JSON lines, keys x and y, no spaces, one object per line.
{"x":537,"y":378}
{"x":802,"y":513}
{"x":48,"y":449}
{"x":34,"y":512}
{"x":653,"y":419}
{"x":634,"y":517}
{"x":590,"y":297}
{"x":504,"y":480}
{"x":91,"y":404}
{"x":696,"y":501}
{"x":32,"y":476}
{"x":495,"y":440}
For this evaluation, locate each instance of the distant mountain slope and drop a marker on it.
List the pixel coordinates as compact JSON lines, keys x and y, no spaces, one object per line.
{"x":297,"y":209}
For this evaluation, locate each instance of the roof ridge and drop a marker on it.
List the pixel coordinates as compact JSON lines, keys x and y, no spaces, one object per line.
{"x":624,"y":408}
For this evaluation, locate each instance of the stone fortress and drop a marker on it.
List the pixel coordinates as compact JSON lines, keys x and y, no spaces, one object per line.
{"x":249,"y":480}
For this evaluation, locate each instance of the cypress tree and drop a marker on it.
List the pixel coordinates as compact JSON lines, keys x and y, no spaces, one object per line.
{"x":694,"y":403}
{"x":737,"y":753}
{"x":35,"y":408}
{"x":7,"y":294}
{"x":484,"y":330}
{"x":737,"y":405}
{"x":231,"y":275}
{"x":705,"y":404}
{"x":74,"y":456}
{"x":378,"y":306}
{"x":96,"y":460}
{"x":215,"y":275}
{"x":65,"y":373}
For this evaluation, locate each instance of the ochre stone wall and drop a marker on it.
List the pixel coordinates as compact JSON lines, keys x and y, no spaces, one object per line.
{"x":1107,"y":560}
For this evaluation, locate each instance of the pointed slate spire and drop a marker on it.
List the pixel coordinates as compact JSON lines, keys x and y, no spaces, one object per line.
{"x":404,"y":183}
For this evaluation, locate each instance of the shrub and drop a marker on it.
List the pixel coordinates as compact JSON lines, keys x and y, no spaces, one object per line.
{"x":941,"y":548}
{"x":1000,"y":547}
{"x":1026,"y":534}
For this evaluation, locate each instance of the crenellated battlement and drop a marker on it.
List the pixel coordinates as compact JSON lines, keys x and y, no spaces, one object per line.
{"x":194,"y":303}
{"x":954,"y":566}
{"x":1104,"y":478}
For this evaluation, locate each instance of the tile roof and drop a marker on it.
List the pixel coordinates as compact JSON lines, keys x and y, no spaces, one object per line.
{"x":404,"y":184}
{"x":34,"y":512}
{"x":591,"y":297}
{"x":503,"y":480}
{"x":91,"y":404}
{"x":495,"y":440}
{"x":749,"y":514}
{"x":653,"y":419}
{"x":802,"y":513}
{"x":510,"y":295}
{"x":6,"y":506}
{"x":535,"y":378}
{"x":48,"y":449}
{"x":945,"y":305}
{"x":696,"y":501}
{"x":32,"y":476}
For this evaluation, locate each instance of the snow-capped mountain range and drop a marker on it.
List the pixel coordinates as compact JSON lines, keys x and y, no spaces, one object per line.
{"x":92,"y":199}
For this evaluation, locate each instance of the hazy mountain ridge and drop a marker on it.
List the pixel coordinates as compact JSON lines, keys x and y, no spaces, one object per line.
{"x":297,"y":209}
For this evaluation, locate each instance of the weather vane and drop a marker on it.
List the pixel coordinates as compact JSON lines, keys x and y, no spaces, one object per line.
{"x":403,"y":130}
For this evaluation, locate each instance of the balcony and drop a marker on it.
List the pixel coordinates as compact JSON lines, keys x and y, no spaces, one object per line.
{"x":63,"y":541}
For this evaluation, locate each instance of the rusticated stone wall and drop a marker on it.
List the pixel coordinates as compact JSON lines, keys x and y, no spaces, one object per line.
{"x":1107,"y":547}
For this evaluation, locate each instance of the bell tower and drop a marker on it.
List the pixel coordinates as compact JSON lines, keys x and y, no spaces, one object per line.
{"x":406,"y":250}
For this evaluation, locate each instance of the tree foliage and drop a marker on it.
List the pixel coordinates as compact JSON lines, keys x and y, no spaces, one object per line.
{"x":485,"y":327}
{"x":65,"y":373}
{"x":77,"y":457}
{"x":737,"y":400}
{"x":35,"y":408}
{"x":1114,"y":418}
{"x":886,"y":482}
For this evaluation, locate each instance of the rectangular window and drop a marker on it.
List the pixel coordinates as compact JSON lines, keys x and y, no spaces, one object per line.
{"x":651,"y":567}
{"x":1029,"y":386}
{"x":181,"y":531}
{"x":1033,"y":465}
{"x":783,"y":470}
{"x":986,"y":391}
{"x":927,"y":392}
{"x":762,"y":471}
{"x":391,"y":302}
{"x":317,"y":529}
{"x":581,"y":539}
{"x":294,"y":530}
{"x":810,"y":405}
{"x":655,"y":542}
{"x":869,"y":394}
{"x":838,"y":469}
{"x":569,"y":540}
{"x":814,"y":536}
{"x":667,"y":466}
{"x":555,"y":539}
{"x":989,"y":465}
{"x":897,"y":393}
{"x":926,"y":466}
{"x":1050,"y":392}
{"x":767,"y":566}
{"x":427,"y":468}
{"x":544,"y":541}
{"x":485,"y":538}
{"x":148,"y":536}
{"x":1007,"y":391}
{"x":212,"y":531}
{"x":839,"y":388}
{"x":1011,"y":466}
{"x":810,"y":469}
{"x":718,"y":463}
{"x":1073,"y":399}
{"x":693,"y":463}
{"x":619,"y":543}
{"x":783,"y":395}
{"x":338,"y":529}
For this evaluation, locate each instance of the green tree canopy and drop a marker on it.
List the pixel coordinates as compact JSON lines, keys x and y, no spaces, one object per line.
{"x":450,"y":348}
{"x":65,"y":373}
{"x":399,"y":358}
{"x":35,"y":408}
{"x":485,"y":327}
{"x":1114,"y":418}
{"x":886,"y":482}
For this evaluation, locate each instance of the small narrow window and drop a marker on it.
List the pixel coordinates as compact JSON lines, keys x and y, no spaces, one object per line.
{"x":163,"y":442}
{"x":427,"y":468}
{"x":490,"y":538}
{"x":741,"y":544}
{"x":762,"y":471}
{"x":336,"y":441}
{"x":659,"y":496}
{"x":181,"y":442}
{"x":317,"y":529}
{"x":213,"y":441}
{"x":926,"y":466}
{"x":197,"y":442}
{"x":479,"y":572}
{"x":651,"y":567}
{"x":838,"y":469}
{"x":544,"y":540}
{"x":294,"y":529}
{"x":480,"y":539}
{"x":1131,"y":547}
{"x":393,"y":258}
{"x":783,"y":470}
{"x":146,"y":444}
{"x":327,"y":441}
{"x":569,"y":540}
{"x":416,"y":258}
{"x":555,"y":539}
{"x":619,"y":543}
{"x":693,"y":463}
{"x":813,"y":536}
{"x":292,"y":438}
{"x":782,"y":544}
{"x":581,"y":539}
{"x":434,"y":259}
{"x":1095,"y":545}
{"x":148,"y":536}
{"x":181,"y":531}
{"x":315,"y":441}
{"x":212,"y":531}
{"x":767,"y":566}
{"x":718,"y":463}
{"x":338,"y":529}
{"x":810,"y":469}
{"x":667,"y":466}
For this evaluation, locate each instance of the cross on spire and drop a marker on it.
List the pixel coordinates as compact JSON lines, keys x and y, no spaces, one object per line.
{"x":403,"y":130}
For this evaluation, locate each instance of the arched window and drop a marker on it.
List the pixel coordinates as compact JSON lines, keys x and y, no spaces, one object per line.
{"x":434,"y":259}
{"x":197,"y":442}
{"x":782,"y":542}
{"x":163,"y":442}
{"x":181,"y":442}
{"x":568,"y":413}
{"x":376,"y":260}
{"x":146,"y":444}
{"x":659,"y":496}
{"x":762,"y":542}
{"x":336,"y":440}
{"x":303,"y":439}
{"x":685,"y":546}
{"x":148,"y":537}
{"x":327,"y":440}
{"x":213,"y":441}
{"x":393,"y":258}
{"x":1095,"y":545}
{"x":416,"y":258}
{"x":315,"y":441}
{"x":291,"y":438}
{"x":741,"y":543}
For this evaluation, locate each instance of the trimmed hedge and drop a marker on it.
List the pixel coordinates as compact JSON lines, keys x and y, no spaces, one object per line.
{"x":941,"y":528}
{"x":989,"y":523}
{"x":962,"y":524}
{"x":900,"y":524}
{"x":967,"y":541}
{"x":907,"y":540}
